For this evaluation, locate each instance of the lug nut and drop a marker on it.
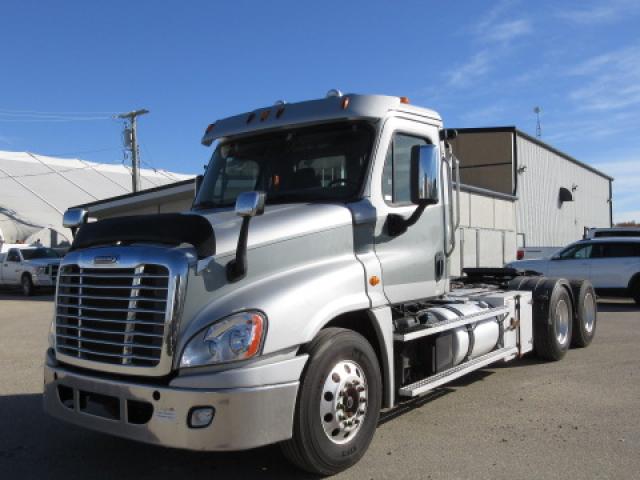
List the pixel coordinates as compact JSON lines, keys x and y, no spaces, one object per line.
{"x":361,"y":389}
{"x":363,"y":400}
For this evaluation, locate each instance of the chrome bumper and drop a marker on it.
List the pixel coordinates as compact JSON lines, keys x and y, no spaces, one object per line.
{"x":244,"y":418}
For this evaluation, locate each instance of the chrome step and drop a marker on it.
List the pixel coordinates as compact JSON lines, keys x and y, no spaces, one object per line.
{"x":434,"y":381}
{"x":460,"y":321}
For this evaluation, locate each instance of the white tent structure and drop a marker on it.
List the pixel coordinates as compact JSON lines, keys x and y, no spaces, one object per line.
{"x":35,"y":191}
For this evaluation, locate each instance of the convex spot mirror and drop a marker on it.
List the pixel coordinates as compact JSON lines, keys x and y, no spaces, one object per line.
{"x":250,"y":204}
{"x":425,"y":162}
{"x":74,"y":218}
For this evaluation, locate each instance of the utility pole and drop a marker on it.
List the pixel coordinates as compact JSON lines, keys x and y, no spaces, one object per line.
{"x":131,"y":142}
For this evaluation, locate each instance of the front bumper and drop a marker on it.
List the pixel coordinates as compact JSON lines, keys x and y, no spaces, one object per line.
{"x":43,"y":280}
{"x":245,"y":417}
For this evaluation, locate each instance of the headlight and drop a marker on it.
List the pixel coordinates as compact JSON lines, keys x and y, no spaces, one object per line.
{"x":237,"y":337}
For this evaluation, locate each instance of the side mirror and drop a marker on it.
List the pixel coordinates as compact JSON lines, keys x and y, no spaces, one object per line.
{"x":424,"y":175}
{"x":250,"y":204}
{"x":74,"y":218}
{"x":198,"y":184}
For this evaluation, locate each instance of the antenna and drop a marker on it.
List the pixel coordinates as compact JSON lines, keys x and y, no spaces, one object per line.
{"x":537,"y":111}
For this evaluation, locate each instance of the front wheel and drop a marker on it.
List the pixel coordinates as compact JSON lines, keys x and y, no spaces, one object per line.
{"x":338,"y":403}
{"x":27,"y":285}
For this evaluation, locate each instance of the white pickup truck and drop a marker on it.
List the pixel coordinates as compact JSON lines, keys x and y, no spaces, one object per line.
{"x":29,"y":267}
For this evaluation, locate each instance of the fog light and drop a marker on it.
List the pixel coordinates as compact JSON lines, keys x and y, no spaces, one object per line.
{"x":201,"y":417}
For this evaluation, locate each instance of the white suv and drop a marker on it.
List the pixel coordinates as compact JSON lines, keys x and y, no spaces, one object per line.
{"x":612,"y":265}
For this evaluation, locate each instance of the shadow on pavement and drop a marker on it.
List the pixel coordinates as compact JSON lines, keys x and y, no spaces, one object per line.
{"x":16,"y":295}
{"x":617,"y":305}
{"x":34,"y":445}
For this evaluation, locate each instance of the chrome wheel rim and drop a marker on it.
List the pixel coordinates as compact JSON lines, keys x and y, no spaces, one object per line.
{"x":589,"y":312}
{"x":343,"y":402}
{"x":562,"y":322}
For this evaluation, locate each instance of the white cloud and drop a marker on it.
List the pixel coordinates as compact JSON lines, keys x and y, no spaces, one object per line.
{"x":611,"y":80}
{"x":594,"y":13}
{"x":467,"y":72}
{"x":507,"y":31}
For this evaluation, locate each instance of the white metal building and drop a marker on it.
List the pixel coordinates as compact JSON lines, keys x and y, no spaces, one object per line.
{"x":35,"y":191}
{"x":556,"y":196}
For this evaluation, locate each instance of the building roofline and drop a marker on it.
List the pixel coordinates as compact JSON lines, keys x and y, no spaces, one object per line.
{"x":513,"y":129}
{"x":140,"y":193}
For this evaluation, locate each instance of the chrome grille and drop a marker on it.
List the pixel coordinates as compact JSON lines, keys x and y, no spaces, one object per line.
{"x":112,"y":315}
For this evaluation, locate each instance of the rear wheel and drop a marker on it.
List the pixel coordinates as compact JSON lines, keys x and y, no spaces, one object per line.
{"x":552,"y":326}
{"x":338,"y":403}
{"x":635,"y":290}
{"x":27,"y":285}
{"x":586,"y":312}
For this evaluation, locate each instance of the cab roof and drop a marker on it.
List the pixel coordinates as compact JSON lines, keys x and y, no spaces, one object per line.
{"x":334,"y":106}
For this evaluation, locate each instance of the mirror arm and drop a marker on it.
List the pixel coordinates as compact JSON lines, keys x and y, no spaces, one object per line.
{"x":237,"y":268}
{"x":397,"y":224}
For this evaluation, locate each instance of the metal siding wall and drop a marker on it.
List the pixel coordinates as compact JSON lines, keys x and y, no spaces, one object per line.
{"x":540,"y":217}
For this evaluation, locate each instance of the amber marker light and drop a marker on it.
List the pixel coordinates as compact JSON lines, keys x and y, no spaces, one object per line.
{"x":404,"y":99}
{"x":345,"y":103}
{"x":254,"y":343}
{"x":374,"y":280}
{"x":264,"y":115}
{"x":209,"y":129}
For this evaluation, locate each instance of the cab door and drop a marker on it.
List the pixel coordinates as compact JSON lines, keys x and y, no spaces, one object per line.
{"x":412,"y":262}
{"x":11,"y":266}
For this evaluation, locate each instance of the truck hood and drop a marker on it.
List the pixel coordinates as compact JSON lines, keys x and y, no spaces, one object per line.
{"x":278,"y":223}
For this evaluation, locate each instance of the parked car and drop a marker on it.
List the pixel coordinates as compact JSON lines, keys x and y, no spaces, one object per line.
{"x":611,"y":264}
{"x":612,"y":232}
{"x":29,"y":267}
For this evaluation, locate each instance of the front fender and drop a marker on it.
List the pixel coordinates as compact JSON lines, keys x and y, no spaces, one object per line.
{"x":299,"y":296}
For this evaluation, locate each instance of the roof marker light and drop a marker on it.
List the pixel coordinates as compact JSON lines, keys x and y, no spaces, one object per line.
{"x":404,"y":99}
{"x":251,"y":116}
{"x":280,"y":111}
{"x":345,"y":103}
{"x":209,"y":129}
{"x":264,"y":115}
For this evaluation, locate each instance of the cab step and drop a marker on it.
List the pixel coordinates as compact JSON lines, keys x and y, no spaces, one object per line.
{"x":434,"y":381}
{"x":433,"y":328}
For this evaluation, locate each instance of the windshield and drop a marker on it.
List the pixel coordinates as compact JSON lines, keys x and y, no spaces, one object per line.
{"x":321,"y":163}
{"x":35,"y":253}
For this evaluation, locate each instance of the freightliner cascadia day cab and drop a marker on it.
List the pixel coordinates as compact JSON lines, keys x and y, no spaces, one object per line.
{"x":306,"y":290}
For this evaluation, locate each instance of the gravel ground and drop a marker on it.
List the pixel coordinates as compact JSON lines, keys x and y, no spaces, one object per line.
{"x":579,"y":418}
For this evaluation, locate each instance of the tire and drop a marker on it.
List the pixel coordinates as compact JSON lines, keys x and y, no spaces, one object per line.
{"x":552,"y":320}
{"x":585,"y":313}
{"x":27,"y":285}
{"x":635,"y":290}
{"x":320,"y":444}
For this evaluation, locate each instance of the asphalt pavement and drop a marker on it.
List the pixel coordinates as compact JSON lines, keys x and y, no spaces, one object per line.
{"x":578,"y":418}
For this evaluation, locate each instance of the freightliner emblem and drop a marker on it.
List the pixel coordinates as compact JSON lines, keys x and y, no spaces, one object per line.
{"x":105,"y":259}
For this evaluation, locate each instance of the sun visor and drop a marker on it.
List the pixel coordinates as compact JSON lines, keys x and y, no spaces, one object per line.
{"x":164,"y":228}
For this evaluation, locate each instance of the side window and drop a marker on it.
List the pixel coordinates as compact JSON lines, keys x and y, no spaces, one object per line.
{"x":619,"y":250}
{"x":13,"y":256}
{"x":396,"y":180}
{"x":577,"y":252}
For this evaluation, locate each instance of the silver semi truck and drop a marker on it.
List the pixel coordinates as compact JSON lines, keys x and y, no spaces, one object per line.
{"x":306,"y":290}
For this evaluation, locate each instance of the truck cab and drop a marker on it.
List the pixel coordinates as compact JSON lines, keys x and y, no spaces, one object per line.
{"x":306,"y":289}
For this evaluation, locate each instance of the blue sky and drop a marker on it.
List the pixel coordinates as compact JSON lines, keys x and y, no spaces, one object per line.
{"x":478,"y":63}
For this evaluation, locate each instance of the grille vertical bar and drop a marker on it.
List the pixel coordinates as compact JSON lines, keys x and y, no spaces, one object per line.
{"x":112,"y":315}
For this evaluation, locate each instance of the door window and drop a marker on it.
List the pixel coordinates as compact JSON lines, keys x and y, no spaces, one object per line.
{"x":616,"y":250}
{"x":13,"y":256}
{"x":396,"y":176}
{"x":576,"y":252}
